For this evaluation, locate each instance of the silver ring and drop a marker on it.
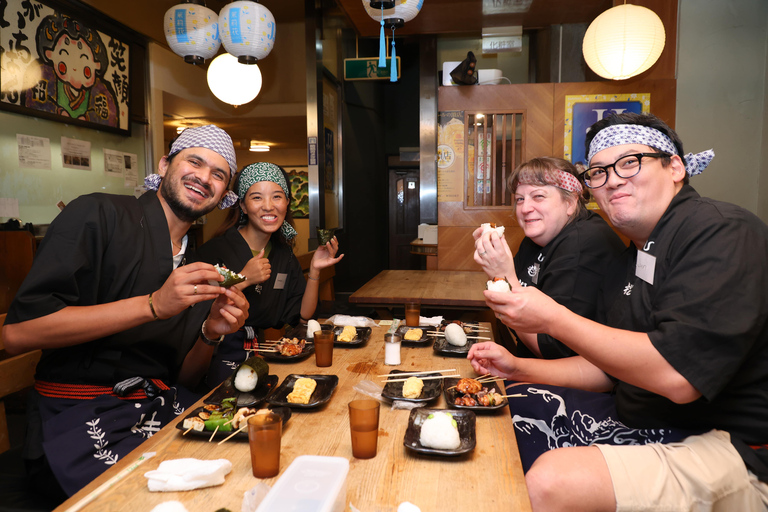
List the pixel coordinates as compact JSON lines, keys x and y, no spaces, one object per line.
{"x":195,"y":290}
{"x":481,"y":253}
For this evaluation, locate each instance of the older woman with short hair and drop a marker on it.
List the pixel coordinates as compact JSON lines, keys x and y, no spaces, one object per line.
{"x":565,"y":250}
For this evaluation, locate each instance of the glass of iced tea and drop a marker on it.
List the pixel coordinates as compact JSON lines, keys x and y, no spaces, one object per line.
{"x":264,"y":432}
{"x":364,"y":426}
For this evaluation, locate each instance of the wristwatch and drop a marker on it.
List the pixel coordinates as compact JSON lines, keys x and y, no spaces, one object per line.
{"x":207,"y":340}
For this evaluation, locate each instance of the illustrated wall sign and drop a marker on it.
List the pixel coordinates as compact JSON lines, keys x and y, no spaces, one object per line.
{"x":53,"y":65}
{"x":581,"y":111}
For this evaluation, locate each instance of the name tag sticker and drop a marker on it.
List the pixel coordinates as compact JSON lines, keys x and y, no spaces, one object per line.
{"x":645,"y":266}
{"x":280,"y":281}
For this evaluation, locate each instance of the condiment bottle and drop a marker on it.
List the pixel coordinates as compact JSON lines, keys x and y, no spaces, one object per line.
{"x":392,"y":348}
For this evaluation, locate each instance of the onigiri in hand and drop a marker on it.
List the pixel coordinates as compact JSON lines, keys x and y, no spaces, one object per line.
{"x":489,"y":227}
{"x":498,"y":284}
{"x":230,"y":278}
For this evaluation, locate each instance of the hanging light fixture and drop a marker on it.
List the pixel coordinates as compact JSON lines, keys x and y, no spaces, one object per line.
{"x":257,"y":147}
{"x":393,"y":18}
{"x":233,"y":82}
{"x":247,"y":30}
{"x":623,"y":41}
{"x":192,"y":31}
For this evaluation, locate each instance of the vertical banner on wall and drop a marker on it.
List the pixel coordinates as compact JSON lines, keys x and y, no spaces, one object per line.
{"x":581,"y":111}
{"x":53,"y":65}
{"x":450,"y":156}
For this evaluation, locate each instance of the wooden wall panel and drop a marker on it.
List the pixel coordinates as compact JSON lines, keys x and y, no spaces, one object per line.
{"x":456,"y":224}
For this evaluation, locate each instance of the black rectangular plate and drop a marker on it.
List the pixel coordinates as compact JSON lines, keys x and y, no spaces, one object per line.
{"x":326,"y":384}
{"x":451,"y":394}
{"x":424,"y":341}
{"x":430,"y":391}
{"x":465,"y":421}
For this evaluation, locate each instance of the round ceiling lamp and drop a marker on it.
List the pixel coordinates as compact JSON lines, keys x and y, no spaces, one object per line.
{"x":192,"y":31}
{"x":400,"y":12}
{"x":233,"y":82}
{"x":247,"y":30}
{"x":623,"y":41}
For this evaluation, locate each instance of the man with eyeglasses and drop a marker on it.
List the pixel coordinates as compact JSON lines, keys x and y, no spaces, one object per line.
{"x":681,"y":343}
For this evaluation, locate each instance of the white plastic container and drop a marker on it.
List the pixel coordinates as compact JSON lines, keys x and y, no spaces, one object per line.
{"x":312,"y":483}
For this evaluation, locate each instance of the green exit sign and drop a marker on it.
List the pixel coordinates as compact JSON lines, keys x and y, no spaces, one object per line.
{"x":368,"y":69}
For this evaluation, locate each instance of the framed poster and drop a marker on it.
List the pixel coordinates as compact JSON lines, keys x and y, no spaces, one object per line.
{"x":298,"y":181}
{"x":581,"y":111}
{"x":56,"y":66}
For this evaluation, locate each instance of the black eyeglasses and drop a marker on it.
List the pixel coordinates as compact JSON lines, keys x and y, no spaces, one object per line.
{"x":625,"y":167}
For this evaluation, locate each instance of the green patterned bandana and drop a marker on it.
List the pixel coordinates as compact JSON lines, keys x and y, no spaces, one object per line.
{"x":265,"y":171}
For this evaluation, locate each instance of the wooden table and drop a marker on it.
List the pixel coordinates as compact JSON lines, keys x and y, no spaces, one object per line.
{"x":440,"y":288}
{"x":490,"y":478}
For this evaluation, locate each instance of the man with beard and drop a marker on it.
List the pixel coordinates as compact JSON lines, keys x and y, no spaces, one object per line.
{"x":116,"y":311}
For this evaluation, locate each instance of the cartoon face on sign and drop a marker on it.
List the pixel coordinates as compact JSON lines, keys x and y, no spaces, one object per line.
{"x":77,"y":56}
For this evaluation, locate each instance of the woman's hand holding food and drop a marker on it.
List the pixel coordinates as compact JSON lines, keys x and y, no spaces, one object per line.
{"x":257,"y":270}
{"x":324,"y":256}
{"x":228,"y":313}
{"x":187,"y":285}
{"x":493,"y":254}
{"x":488,"y":357}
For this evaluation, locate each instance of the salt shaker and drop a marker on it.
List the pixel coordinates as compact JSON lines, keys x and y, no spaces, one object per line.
{"x":392,"y":348}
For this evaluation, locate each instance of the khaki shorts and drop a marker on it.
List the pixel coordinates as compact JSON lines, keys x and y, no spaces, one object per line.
{"x":700,"y":473}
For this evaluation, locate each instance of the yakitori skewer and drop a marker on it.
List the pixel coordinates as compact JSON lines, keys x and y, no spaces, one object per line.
{"x":214,"y":433}
{"x":230,"y":436}
{"x":516,"y":395}
{"x":400,"y":374}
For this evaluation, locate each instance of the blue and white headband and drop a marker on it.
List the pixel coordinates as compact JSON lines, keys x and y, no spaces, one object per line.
{"x":265,"y":171}
{"x":209,"y":137}
{"x":618,"y":134}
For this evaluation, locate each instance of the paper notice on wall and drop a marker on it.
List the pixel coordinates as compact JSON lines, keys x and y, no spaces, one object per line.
{"x":34,"y":152}
{"x":9,"y":207}
{"x":117,"y":163}
{"x":450,"y":156}
{"x":76,"y":154}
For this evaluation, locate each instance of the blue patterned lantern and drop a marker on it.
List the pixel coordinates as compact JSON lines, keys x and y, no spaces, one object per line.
{"x":393,"y":15}
{"x":247,"y":30}
{"x":192,"y":31}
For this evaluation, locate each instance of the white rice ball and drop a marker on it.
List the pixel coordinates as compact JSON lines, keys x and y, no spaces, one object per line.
{"x":498,"y":285}
{"x":487,"y":229}
{"x":246,"y":379}
{"x":440,"y":431}
{"x":312,"y":327}
{"x":455,"y":335}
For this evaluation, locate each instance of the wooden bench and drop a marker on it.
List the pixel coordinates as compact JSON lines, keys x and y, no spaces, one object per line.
{"x":16,"y":373}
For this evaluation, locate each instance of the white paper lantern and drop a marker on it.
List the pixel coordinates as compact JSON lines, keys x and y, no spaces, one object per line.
{"x":247,"y":30}
{"x":233,"y":82}
{"x":403,"y":12}
{"x":192,"y":31}
{"x":623,"y":42}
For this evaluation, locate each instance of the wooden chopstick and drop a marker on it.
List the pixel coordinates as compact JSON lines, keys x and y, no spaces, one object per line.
{"x":422,"y":378}
{"x":442,"y":335}
{"x":399,"y":374}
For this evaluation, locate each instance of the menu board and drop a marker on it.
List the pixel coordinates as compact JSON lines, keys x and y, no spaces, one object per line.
{"x":450,"y":156}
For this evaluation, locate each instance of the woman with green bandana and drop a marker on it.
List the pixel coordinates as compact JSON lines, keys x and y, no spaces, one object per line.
{"x":256,"y":240}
